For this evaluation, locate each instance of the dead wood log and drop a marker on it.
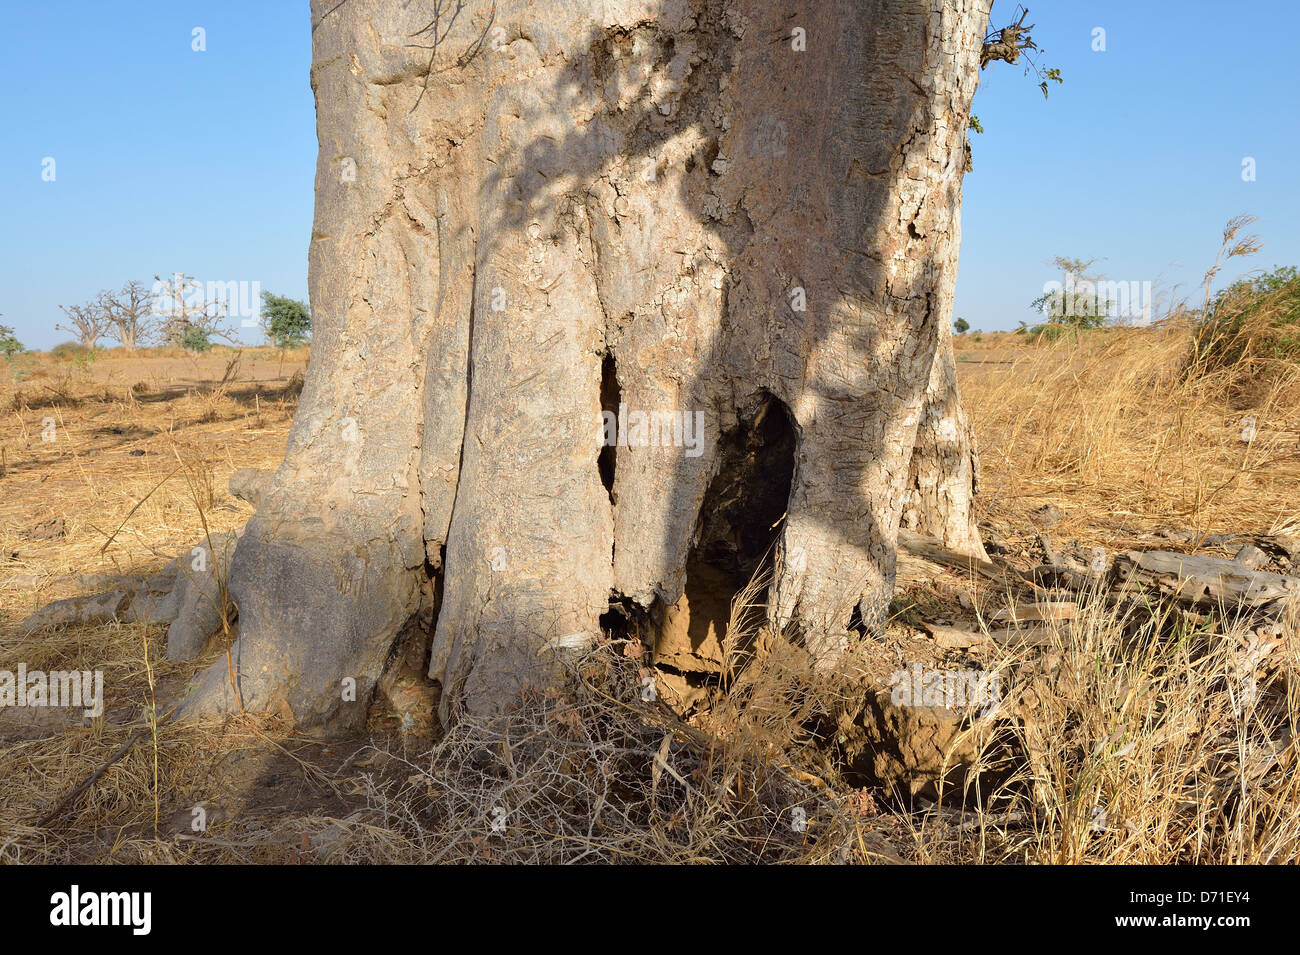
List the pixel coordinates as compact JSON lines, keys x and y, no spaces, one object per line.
{"x":1199,"y":581}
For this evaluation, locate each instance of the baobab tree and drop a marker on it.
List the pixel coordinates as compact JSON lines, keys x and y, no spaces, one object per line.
{"x":603,"y":293}
{"x":87,"y":322}
{"x":129,"y":314}
{"x":184,"y":312}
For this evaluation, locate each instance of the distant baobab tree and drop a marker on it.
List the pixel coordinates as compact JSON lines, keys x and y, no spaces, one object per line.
{"x":87,"y":322}
{"x":129,"y":314}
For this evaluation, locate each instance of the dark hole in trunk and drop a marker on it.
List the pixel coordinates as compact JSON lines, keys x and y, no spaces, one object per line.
{"x":609,"y":399}
{"x":740,"y":521}
{"x":857,"y":622}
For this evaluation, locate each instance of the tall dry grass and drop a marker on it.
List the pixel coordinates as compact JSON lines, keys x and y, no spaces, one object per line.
{"x":1137,"y":733}
{"x":1146,"y":738}
{"x":1116,"y":429}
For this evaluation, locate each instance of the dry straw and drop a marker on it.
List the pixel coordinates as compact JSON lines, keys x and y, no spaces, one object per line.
{"x":1134,"y":736}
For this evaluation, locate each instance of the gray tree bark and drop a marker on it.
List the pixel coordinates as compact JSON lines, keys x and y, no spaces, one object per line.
{"x":708,"y":207}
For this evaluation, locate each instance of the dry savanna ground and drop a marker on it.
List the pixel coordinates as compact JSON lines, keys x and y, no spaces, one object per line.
{"x":1126,"y":736}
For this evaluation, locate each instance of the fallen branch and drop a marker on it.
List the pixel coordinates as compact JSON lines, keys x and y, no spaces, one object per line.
{"x":1199,"y":581}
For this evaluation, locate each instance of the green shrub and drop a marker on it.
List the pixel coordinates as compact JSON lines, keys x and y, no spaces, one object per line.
{"x":287,"y":320}
{"x":9,"y":343}
{"x":1253,"y":325}
{"x":68,"y":351}
{"x":1074,"y":305}
{"x":196,"y":339}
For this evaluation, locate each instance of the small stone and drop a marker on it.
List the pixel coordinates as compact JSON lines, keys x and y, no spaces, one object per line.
{"x":1252,"y":557}
{"x":1049,"y":515}
{"x":1289,"y":543}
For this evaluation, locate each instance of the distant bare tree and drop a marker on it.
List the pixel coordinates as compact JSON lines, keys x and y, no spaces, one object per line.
{"x":185,"y":313}
{"x":87,"y":322}
{"x":129,"y":313}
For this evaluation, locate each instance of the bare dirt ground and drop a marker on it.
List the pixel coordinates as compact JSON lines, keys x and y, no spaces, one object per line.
{"x":1083,"y":446}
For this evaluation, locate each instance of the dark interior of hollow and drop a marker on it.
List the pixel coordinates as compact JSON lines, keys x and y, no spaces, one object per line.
{"x":609,"y":399}
{"x":740,"y":521}
{"x":740,"y":518}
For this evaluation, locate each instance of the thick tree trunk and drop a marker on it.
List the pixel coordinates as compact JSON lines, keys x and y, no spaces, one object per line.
{"x":737,"y":214}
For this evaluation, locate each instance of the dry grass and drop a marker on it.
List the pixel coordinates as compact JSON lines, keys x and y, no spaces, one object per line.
{"x":133,"y":444}
{"x":1145,"y":739}
{"x":598,"y":774}
{"x":1133,"y":736}
{"x":1128,"y":429}
{"x":1115,"y":434}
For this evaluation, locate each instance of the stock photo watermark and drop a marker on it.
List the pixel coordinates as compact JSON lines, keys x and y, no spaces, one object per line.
{"x":126,"y":909}
{"x":674,"y":428}
{"x":1131,"y":302}
{"x":58,"y":688}
{"x":951,"y":689}
{"x":186,"y":296}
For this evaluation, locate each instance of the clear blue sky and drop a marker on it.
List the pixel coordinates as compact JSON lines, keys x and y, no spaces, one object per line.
{"x":167,"y":159}
{"x":1137,"y":157}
